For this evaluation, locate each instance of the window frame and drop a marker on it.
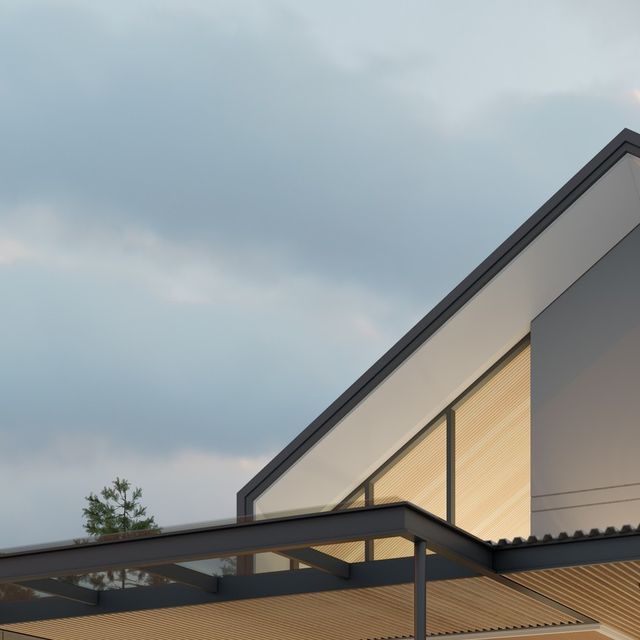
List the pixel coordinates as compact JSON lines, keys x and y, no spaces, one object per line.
{"x":449,"y":415}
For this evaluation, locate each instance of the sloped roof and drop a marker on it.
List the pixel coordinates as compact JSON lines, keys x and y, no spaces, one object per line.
{"x":626,"y":142}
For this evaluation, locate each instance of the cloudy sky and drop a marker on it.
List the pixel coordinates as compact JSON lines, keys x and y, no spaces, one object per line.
{"x":214,"y":215}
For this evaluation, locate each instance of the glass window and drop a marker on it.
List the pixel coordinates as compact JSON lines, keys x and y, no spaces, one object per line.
{"x":418,"y":475}
{"x":492,"y":453}
{"x":348,"y":551}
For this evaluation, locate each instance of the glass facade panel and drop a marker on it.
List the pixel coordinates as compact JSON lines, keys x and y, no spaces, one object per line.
{"x":488,"y":457}
{"x":492,"y":453}
{"x":348,"y":551}
{"x":419,"y":474}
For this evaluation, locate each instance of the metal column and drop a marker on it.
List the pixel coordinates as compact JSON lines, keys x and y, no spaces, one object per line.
{"x":420,"y":590}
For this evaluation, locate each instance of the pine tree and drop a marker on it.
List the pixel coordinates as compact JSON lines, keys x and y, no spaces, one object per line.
{"x":116,"y":512}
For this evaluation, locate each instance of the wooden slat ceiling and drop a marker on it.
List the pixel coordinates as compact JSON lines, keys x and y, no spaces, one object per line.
{"x":609,"y":593}
{"x":472,"y":604}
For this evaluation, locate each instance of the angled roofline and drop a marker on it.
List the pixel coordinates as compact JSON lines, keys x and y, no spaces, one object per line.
{"x":626,"y":142}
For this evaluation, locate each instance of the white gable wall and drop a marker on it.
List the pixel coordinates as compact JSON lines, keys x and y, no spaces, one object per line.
{"x":446,"y":364}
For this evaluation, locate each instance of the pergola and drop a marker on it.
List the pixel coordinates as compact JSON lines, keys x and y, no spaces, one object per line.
{"x":581,"y":587}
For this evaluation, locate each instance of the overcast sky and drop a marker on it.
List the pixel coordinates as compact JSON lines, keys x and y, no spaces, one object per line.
{"x":215,"y":215}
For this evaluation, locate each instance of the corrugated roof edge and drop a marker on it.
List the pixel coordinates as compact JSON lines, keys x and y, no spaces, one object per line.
{"x":608,"y":532}
{"x":626,"y":142}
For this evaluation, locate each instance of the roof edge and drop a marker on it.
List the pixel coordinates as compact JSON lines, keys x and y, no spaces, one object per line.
{"x":626,"y":142}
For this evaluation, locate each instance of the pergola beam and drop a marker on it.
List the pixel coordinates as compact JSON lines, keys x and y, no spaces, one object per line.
{"x":379,"y":573}
{"x":449,"y":541}
{"x":185,"y":575}
{"x":63,"y":589}
{"x":319,"y":560}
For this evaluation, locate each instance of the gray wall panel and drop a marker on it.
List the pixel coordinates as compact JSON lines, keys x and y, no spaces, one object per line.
{"x":585,"y":385}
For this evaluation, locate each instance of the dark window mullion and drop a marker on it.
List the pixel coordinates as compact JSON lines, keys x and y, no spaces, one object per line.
{"x":451,"y":465}
{"x":368,"y":501}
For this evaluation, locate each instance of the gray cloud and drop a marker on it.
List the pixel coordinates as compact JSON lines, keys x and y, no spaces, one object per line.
{"x":257,"y":141}
{"x":302,"y":212}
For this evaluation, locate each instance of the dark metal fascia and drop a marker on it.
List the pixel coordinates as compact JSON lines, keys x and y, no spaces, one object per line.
{"x":567,"y":553}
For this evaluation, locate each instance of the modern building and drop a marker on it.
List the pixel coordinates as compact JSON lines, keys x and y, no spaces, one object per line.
{"x":481,"y":480}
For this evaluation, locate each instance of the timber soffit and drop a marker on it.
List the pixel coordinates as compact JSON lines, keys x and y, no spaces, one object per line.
{"x":626,"y":142}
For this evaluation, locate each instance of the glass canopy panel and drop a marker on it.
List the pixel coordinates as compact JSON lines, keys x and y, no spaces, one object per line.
{"x":492,"y":453}
{"x":115,"y":580}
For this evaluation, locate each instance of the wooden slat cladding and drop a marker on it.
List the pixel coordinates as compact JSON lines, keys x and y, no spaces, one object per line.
{"x":419,"y":475}
{"x":348,"y":551}
{"x":396,"y":547}
{"x":493,"y":456}
{"x":473,"y":604}
{"x":609,"y":593}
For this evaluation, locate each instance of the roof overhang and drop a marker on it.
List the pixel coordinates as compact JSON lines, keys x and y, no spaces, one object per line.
{"x":473,"y":586}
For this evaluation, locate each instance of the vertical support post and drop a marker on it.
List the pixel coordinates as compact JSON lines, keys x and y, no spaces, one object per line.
{"x":420,"y":590}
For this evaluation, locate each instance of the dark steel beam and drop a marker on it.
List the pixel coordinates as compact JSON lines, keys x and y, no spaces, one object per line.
{"x":229,"y":540}
{"x":420,"y":590}
{"x":567,"y":553}
{"x":469,"y":551}
{"x":319,"y":560}
{"x":380,"y":573}
{"x":449,"y":541}
{"x":63,"y":590}
{"x":185,"y":575}
{"x":542,"y":599}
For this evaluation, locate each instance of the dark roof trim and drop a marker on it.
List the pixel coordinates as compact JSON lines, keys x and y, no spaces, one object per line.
{"x":626,"y":142}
